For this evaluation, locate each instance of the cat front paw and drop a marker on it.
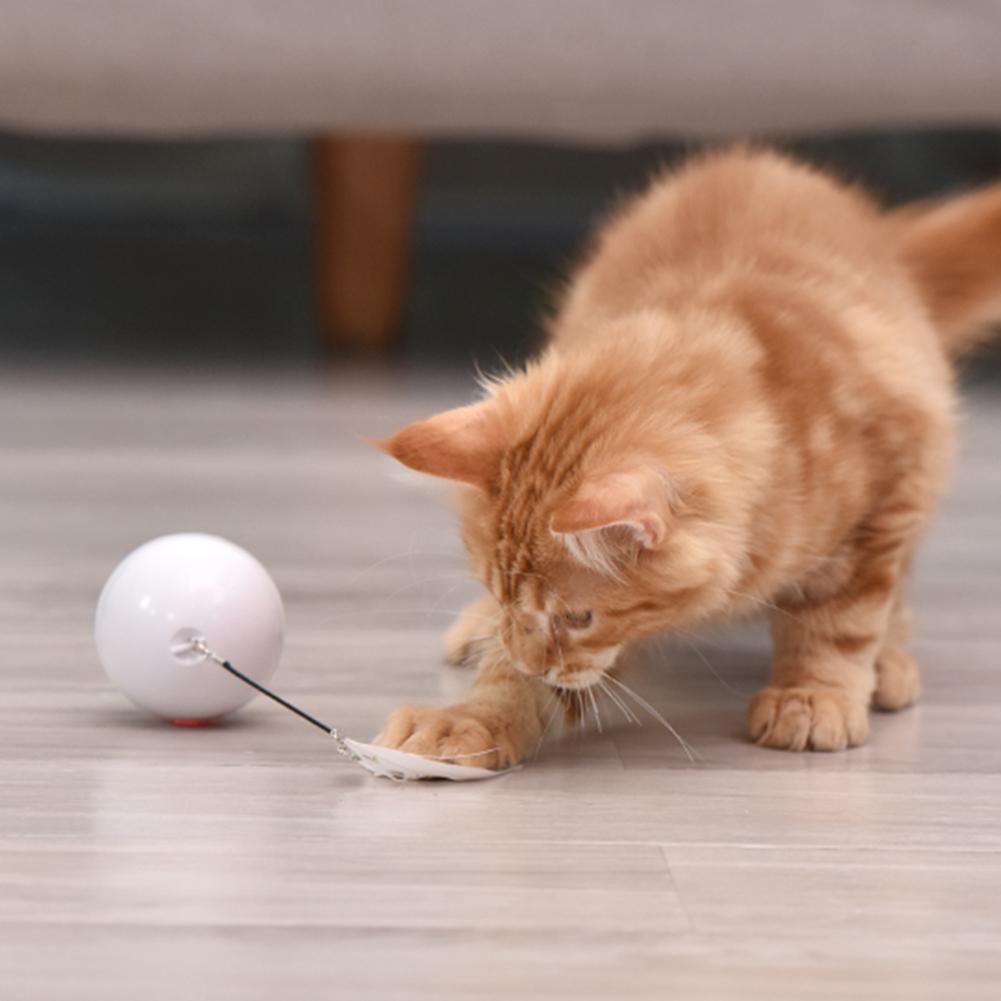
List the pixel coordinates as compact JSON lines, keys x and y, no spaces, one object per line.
{"x":807,"y":717}
{"x":459,"y":734}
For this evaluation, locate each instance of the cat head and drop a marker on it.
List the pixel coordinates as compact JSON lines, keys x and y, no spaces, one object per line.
{"x":587,"y":529}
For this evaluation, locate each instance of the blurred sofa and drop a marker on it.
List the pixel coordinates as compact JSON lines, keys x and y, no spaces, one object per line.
{"x":371,"y":78}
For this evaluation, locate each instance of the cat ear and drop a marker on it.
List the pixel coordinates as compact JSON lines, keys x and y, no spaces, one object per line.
{"x":612,"y":516}
{"x":464,"y":444}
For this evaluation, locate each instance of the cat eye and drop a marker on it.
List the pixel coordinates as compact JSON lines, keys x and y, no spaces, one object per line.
{"x":577,"y":620}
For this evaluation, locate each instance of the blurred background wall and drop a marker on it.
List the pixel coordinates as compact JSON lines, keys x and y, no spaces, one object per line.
{"x":161,"y":196}
{"x":202,"y":252}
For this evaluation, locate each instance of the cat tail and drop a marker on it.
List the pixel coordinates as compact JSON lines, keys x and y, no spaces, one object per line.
{"x":953,"y":250}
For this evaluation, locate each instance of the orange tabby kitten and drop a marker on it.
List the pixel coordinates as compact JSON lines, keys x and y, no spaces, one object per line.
{"x":746,"y":402}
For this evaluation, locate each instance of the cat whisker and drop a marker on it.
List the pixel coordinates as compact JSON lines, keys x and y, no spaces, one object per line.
{"x":594,"y":707}
{"x":655,"y":713}
{"x":449,"y":575}
{"x":408,"y":554}
{"x":684,"y":637}
{"x":359,"y":614}
{"x":630,"y":716}
{"x":380,"y":607}
{"x":447,"y":594}
{"x":554,"y":697}
{"x":766,"y":604}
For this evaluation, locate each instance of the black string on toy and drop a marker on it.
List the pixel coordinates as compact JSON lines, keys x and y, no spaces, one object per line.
{"x":203,"y":648}
{"x":369,"y":757}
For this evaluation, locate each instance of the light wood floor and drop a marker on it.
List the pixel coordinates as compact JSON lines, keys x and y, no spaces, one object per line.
{"x":248,"y":861}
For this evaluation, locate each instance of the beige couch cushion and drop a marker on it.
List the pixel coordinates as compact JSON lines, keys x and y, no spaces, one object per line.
{"x":584,"y":69}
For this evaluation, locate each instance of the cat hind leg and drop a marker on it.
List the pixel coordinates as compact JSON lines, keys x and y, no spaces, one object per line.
{"x":898,"y":680}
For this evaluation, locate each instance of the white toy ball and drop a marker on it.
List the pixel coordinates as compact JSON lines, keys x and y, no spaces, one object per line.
{"x":179,"y":613}
{"x":176,"y":589}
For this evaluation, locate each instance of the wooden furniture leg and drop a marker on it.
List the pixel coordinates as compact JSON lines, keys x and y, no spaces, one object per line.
{"x":366,"y":190}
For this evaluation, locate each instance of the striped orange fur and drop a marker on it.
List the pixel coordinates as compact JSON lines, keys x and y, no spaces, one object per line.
{"x":746,"y":403}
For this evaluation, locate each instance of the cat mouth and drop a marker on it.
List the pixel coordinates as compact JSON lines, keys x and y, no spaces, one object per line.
{"x":587,"y":673}
{"x":565,"y":677}
{"x":576,"y":681}
{"x":574,"y":676}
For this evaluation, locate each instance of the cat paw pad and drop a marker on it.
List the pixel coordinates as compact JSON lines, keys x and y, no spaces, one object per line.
{"x":457,"y":734}
{"x":803,"y":717}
